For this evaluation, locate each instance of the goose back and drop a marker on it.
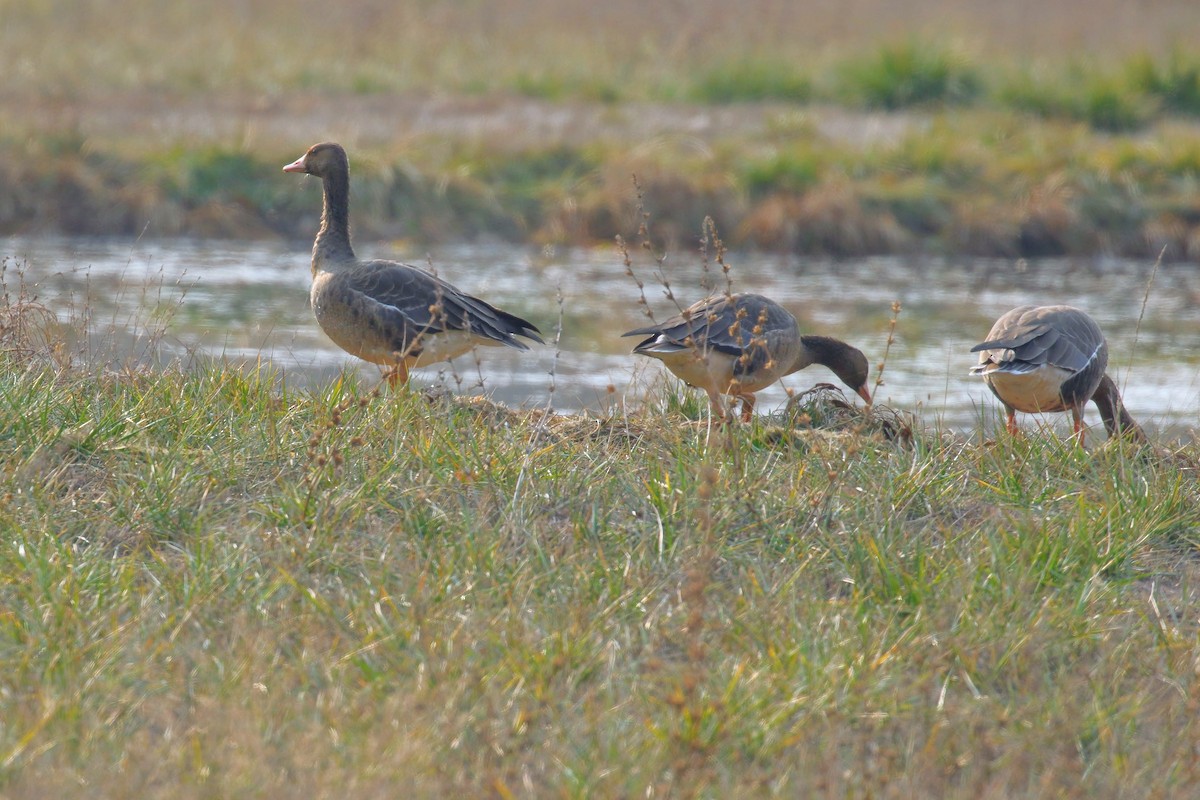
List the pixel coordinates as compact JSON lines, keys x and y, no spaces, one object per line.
{"x":1043,"y":358}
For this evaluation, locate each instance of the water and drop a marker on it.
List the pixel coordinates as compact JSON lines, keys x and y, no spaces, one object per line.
{"x":248,"y":302}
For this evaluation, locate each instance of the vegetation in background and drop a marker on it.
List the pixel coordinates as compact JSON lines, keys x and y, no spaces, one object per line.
{"x":905,"y":131}
{"x":973,"y":182}
{"x":911,"y":74}
{"x":1175,"y":82}
{"x":752,"y":79}
{"x":1105,"y":102}
{"x":622,"y":50}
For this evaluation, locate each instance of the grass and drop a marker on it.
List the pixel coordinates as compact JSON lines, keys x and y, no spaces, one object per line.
{"x":912,"y":74}
{"x":1106,"y":71}
{"x":621,"y":51}
{"x":214,"y":585}
{"x":975,"y":182}
{"x":752,"y":80}
{"x":1175,"y":83}
{"x":1105,"y":102}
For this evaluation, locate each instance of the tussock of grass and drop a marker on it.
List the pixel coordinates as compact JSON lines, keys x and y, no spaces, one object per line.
{"x":1175,"y":83}
{"x":752,"y":79}
{"x":1105,"y":102}
{"x":912,"y":74}
{"x":213,"y":585}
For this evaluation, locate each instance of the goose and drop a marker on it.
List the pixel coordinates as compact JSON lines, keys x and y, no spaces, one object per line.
{"x":386,"y":312}
{"x":739,"y":344}
{"x":1052,"y":358}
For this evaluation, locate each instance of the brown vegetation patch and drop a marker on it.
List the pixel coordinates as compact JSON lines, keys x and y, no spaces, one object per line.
{"x":985,"y":228}
{"x":830,"y":219}
{"x":891,"y":197}
{"x":1050,"y":222}
{"x":825,"y":407}
{"x":1172,"y":236}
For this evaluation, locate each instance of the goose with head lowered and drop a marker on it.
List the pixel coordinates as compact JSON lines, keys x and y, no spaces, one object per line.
{"x":1052,"y":358}
{"x":386,"y":312}
{"x":738,"y":344}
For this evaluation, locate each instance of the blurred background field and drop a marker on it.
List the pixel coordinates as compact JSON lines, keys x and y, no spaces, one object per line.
{"x":620,"y":49}
{"x":845,"y":129}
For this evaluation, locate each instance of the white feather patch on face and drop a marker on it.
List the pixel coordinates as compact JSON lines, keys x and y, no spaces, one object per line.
{"x":1031,"y":392}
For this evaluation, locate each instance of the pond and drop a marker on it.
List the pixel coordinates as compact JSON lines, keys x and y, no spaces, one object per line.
{"x":248,"y":303}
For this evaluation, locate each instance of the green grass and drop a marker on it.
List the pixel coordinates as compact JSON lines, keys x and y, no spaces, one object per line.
{"x":707,"y":51}
{"x":212,"y":585}
{"x":556,"y":87}
{"x":795,"y":169}
{"x":912,"y":74}
{"x":752,"y":80}
{"x":1105,"y":102}
{"x":1175,"y":83}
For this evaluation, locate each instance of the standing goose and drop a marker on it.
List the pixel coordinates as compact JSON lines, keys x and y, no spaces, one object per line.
{"x":739,"y":344}
{"x":1052,"y":358}
{"x":383,"y":311}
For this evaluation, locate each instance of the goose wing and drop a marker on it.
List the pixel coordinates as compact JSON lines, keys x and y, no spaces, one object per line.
{"x":414,"y":302}
{"x":725,"y":324}
{"x":1031,"y":337}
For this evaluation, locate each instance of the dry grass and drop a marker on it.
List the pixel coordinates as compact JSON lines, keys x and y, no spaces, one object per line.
{"x":192,"y":613}
{"x":370,"y":46}
{"x":214,"y":586}
{"x":977,"y":182}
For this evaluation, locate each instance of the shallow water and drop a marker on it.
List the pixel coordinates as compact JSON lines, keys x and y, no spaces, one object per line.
{"x":248,"y":302}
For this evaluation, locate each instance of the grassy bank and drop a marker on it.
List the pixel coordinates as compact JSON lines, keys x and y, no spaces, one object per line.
{"x":214,"y":586}
{"x":972,"y":182}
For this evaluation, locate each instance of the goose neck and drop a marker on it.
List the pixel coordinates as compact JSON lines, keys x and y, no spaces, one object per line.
{"x":333,"y":239}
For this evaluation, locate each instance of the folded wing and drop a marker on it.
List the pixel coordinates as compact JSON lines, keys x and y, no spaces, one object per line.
{"x":1029,"y":338}
{"x":409,"y":303}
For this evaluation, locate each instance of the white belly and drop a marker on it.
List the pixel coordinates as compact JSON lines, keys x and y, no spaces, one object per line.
{"x":435,"y":348}
{"x":713,"y":371}
{"x":1031,"y":392}
{"x":445,"y":346}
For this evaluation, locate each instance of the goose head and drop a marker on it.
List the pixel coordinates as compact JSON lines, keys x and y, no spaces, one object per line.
{"x":321,"y":160}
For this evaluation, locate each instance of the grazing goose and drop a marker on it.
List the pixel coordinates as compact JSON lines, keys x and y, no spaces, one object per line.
{"x":1052,"y":358}
{"x":383,"y":311}
{"x":739,"y":344}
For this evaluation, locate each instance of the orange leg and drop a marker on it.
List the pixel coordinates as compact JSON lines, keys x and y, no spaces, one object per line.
{"x":1077,"y":413}
{"x":1012,"y":422}
{"x":747,"y":407}
{"x":396,"y":375}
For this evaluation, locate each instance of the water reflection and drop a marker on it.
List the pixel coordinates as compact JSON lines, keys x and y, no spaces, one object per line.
{"x":248,"y":301}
